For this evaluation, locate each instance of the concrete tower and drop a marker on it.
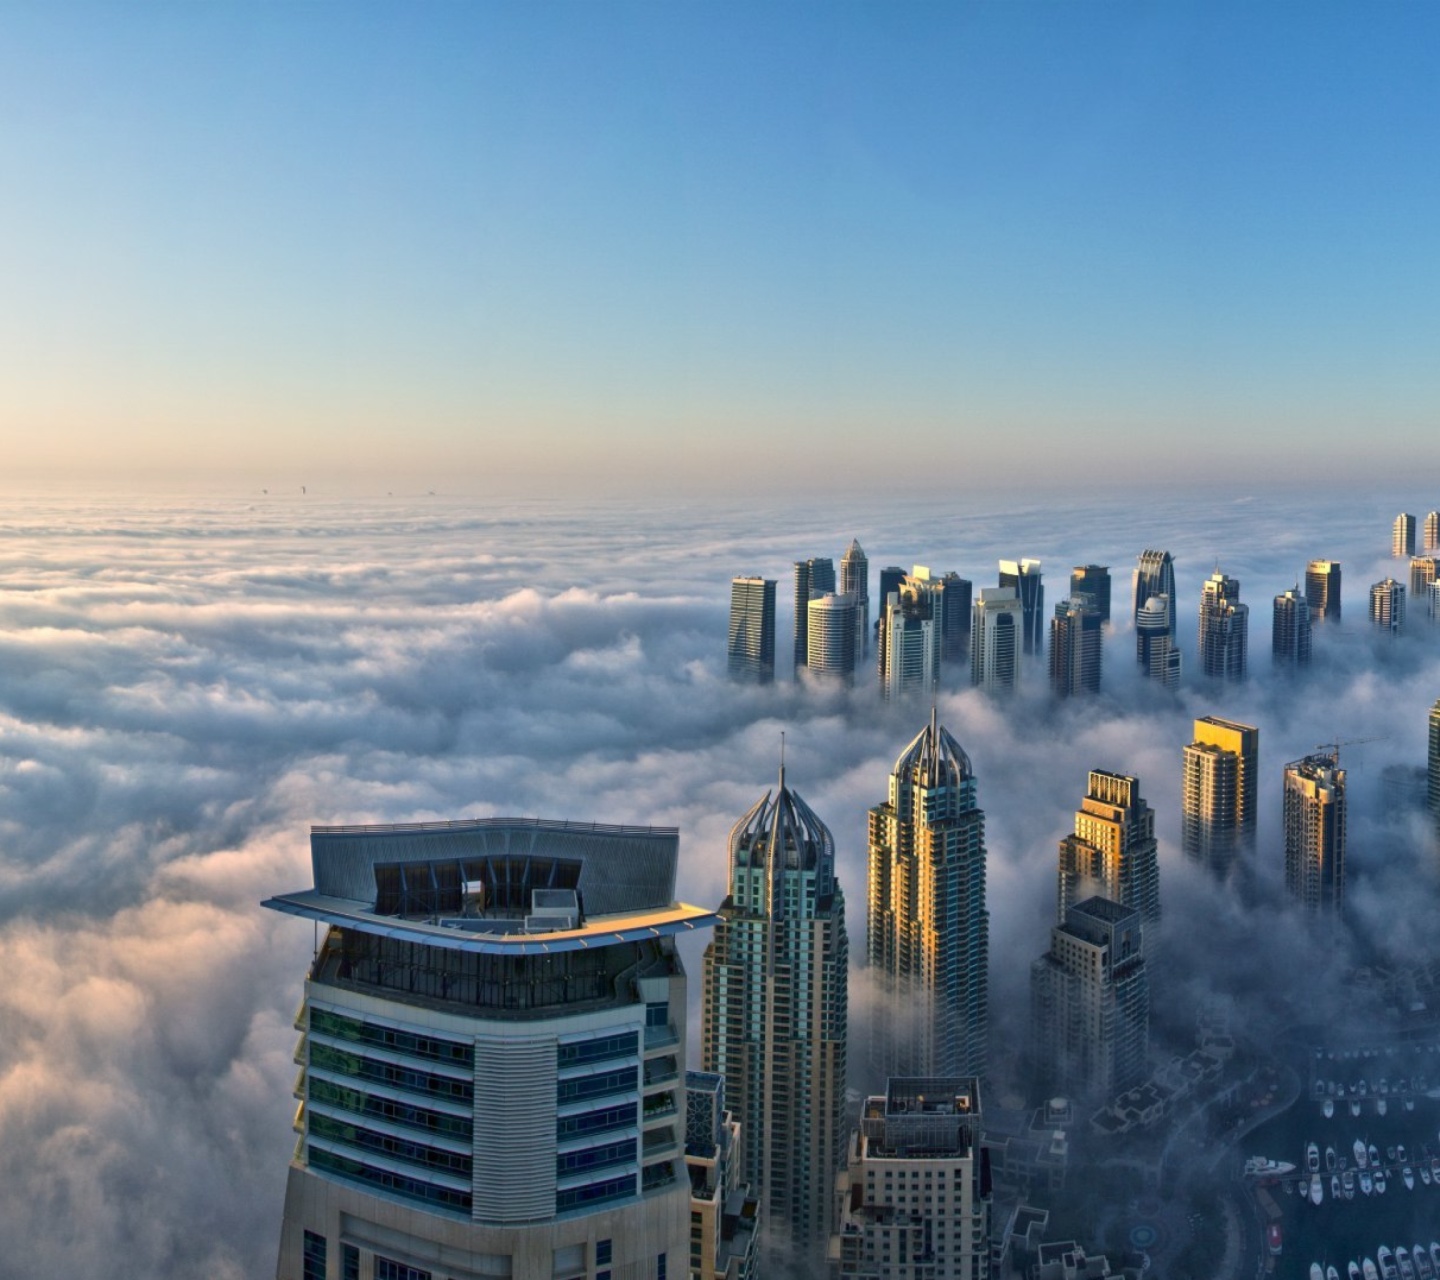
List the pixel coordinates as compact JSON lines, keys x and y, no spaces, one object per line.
{"x":1322,"y":590}
{"x":928,"y":940}
{"x":774,"y":1014}
{"x":1221,"y":769}
{"x":995,"y":639}
{"x":814,"y":577}
{"x":1402,"y":535}
{"x":1113,"y":849}
{"x":1314,"y":816}
{"x":1224,"y":629}
{"x":751,"y":651}
{"x":1074,"y":649}
{"x":830,"y":635}
{"x":1387,"y":606}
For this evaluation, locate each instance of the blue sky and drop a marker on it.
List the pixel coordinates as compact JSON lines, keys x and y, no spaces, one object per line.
{"x":447,"y":245}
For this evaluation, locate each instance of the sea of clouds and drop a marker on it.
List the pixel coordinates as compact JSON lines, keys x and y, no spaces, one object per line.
{"x":186,"y":686}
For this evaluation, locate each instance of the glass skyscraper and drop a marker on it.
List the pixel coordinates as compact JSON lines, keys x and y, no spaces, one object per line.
{"x":751,"y":653}
{"x":1113,"y":851}
{"x":1221,"y":770}
{"x":1224,"y":628}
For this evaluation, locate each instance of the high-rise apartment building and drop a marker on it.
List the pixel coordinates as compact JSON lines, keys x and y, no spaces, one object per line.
{"x":1387,"y":606}
{"x":1402,"y":535}
{"x":914,"y":1196}
{"x":1113,"y":851}
{"x":491,"y":1046}
{"x":1314,"y":818}
{"x":814,"y":577}
{"x":1430,"y":542}
{"x":752,"y":629}
{"x":855,"y":583}
{"x":1422,"y":577}
{"x":1432,"y":602}
{"x":1290,"y":629}
{"x":1155,"y":642}
{"x":1090,"y":1002}
{"x":908,"y":641}
{"x":774,"y":1014}
{"x":995,"y":639}
{"x":830,"y":635}
{"x":724,"y":1212}
{"x":1024,"y":577}
{"x":1432,"y":771}
{"x":1154,"y":576}
{"x":1322,"y":590}
{"x":953,"y":603}
{"x":1090,"y":584}
{"x":928,"y":940}
{"x":1074,"y":649}
{"x":1224,"y":628}
{"x":1221,"y":768}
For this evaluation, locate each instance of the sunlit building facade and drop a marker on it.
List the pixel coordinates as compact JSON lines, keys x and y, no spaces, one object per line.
{"x":995,"y":640}
{"x":813,"y":577}
{"x":751,"y":651}
{"x":919,"y":1140}
{"x":724,"y":1210}
{"x":1113,"y":851}
{"x":1322,"y":590}
{"x":1314,"y":819}
{"x":492,"y":1041}
{"x":1090,"y":584}
{"x":1220,"y":773}
{"x":1023,"y":576}
{"x":1402,"y":535}
{"x":1387,"y":606}
{"x":1154,"y":576}
{"x":830,"y":634}
{"x":1430,"y":540}
{"x":1075,"y":649}
{"x":774,"y":1015}
{"x":928,"y":935}
{"x":908,"y":641}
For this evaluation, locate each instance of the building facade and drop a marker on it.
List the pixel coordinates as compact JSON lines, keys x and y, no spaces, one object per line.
{"x":1154,"y":576}
{"x":1322,"y":590}
{"x":1387,"y":606}
{"x":1432,"y":769}
{"x":1023,"y":576}
{"x":1155,"y":647}
{"x":1075,"y":649}
{"x":1402,"y":535}
{"x":1224,"y":629}
{"x":724,"y":1211}
{"x":1422,"y":578}
{"x":774,"y":1016}
{"x":1090,"y":1003}
{"x":1221,"y":769}
{"x":491,"y":1046}
{"x":995,"y":627}
{"x":908,"y":641}
{"x":1113,"y":852}
{"x":855,"y":583}
{"x":914,"y":1198}
{"x":928,"y":936}
{"x":752,"y":629}
{"x":814,"y":577}
{"x":1090,"y":584}
{"x":1290,"y":630}
{"x":1430,"y":542}
{"x":830,"y":634}
{"x":1314,"y":819}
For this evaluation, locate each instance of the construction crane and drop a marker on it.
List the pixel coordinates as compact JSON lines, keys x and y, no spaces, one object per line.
{"x":1332,"y":749}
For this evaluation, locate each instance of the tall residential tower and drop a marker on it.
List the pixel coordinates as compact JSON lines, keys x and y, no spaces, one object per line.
{"x":1224,"y":628}
{"x":1314,"y":818}
{"x":1290,"y":629}
{"x":1113,"y":850}
{"x":1322,"y":590}
{"x":752,"y":629}
{"x":995,"y":639}
{"x":1221,"y":768}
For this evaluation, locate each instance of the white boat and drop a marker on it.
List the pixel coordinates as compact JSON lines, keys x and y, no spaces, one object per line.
{"x":1423,"y":1170}
{"x":1317,"y":1272}
{"x":1328,"y":1107}
{"x":1331,"y":1273}
{"x":1367,"y":1184}
{"x":1316,"y":1194}
{"x":1360,"y":1160}
{"x":1435,"y":1257}
{"x":1400,"y":1152}
{"x":1260,"y":1167}
{"x":1387,"y":1262}
{"x":1370,"y":1272}
{"x":1347,"y":1183}
{"x":1409,"y":1175}
{"x":1424,"y":1268}
{"x":1409,"y":1104}
{"x":1352,"y":1272}
{"x":1335,"y":1186}
{"x":1435,"y":1168}
{"x":1374,"y":1156}
{"x":1312,"y":1158}
{"x":1402,"y":1260}
{"x":1379,"y":1182}
{"x":1380,"y":1106}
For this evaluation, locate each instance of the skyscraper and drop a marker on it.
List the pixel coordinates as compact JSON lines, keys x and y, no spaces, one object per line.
{"x":995,"y":639}
{"x":1074,"y":649}
{"x":855,"y":583}
{"x":831,"y":637}
{"x":919,"y":1132}
{"x":1430,"y":544}
{"x":774,"y":1012}
{"x":1422,"y":575}
{"x":724,"y":1212}
{"x":1322,"y":590}
{"x":1090,"y":1002}
{"x":491,"y":1045}
{"x":1024,"y":577}
{"x":1402,"y":535}
{"x":928,"y":938}
{"x":1091,"y":583}
{"x":1155,"y":642}
{"x":1224,"y":627}
{"x":1314,"y":817}
{"x":752,"y":629}
{"x":1432,"y":771}
{"x":1155,"y":576}
{"x":1387,"y":606}
{"x":1290,"y":629}
{"x":814,"y":577}
{"x":1221,"y":768}
{"x":954,"y":604}
{"x":1113,"y":849}
{"x":908,"y":641}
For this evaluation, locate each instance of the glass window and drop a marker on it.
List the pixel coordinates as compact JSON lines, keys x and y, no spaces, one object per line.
{"x":314,"y":1262}
{"x":389,"y":1269}
{"x":349,"y":1262}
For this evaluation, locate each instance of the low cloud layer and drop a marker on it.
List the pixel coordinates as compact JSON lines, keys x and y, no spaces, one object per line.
{"x":184,"y":689}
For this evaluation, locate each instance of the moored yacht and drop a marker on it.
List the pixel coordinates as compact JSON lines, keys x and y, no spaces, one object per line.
{"x":1360,"y":1157}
